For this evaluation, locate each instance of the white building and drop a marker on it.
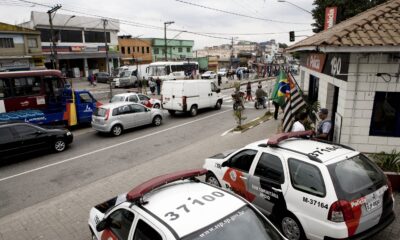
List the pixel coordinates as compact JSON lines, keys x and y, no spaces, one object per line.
{"x":353,"y":70}
{"x":80,"y":42}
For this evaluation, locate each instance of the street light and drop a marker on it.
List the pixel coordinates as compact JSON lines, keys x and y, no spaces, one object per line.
{"x":165,"y":38}
{"x":295,"y":6}
{"x":68,"y":20}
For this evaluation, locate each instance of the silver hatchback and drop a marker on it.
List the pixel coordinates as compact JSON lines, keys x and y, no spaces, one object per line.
{"x":115,"y":117}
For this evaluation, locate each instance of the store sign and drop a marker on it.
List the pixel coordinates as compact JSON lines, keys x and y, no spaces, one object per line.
{"x":337,"y":65}
{"x":76,"y":48}
{"x":11,"y":64}
{"x":91,"y":49}
{"x":316,"y":61}
{"x":330,"y":17}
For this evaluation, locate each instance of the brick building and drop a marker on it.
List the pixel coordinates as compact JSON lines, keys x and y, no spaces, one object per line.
{"x":134,"y":50}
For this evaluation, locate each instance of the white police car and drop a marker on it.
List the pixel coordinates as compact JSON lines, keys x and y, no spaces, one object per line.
{"x":311,"y":189}
{"x":179,"y":206}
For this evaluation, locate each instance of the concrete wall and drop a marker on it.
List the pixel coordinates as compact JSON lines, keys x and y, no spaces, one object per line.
{"x":356,"y":98}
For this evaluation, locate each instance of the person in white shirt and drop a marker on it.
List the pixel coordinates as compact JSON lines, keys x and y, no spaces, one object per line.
{"x":298,"y":126}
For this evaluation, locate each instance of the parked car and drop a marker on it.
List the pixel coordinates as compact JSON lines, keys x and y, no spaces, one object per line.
{"x":116,"y":117}
{"x":189,"y":96}
{"x":20,"y":138}
{"x":208,"y":75}
{"x":127,"y":78}
{"x":312,"y":189}
{"x":222,"y":72}
{"x":178,"y":206}
{"x":137,"y":98}
{"x":103,"y":77}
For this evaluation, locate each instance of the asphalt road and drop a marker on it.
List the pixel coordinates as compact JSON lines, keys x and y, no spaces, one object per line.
{"x":94,"y":156}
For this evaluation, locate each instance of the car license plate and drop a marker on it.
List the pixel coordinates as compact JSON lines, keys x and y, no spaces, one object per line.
{"x":372,"y":204}
{"x":96,"y":120}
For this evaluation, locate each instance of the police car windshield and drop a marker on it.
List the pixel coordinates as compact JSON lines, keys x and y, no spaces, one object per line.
{"x":365,"y":177}
{"x":241,"y":224}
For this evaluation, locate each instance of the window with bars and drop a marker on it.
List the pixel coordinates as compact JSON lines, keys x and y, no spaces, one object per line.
{"x":6,"y":43}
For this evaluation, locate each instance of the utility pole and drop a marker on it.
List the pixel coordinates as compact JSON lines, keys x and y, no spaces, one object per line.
{"x":165,"y":39}
{"x":105,"y":22}
{"x":54,"y":58}
{"x":232,"y":53}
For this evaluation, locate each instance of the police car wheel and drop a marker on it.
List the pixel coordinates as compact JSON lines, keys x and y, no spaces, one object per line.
{"x":212,"y":179}
{"x":291,"y":228}
{"x":59,"y":145}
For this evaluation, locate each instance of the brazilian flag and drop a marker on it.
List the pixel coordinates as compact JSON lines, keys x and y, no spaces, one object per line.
{"x":281,"y":88}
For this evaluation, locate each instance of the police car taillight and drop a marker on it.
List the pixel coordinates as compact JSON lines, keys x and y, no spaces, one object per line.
{"x":340,"y":211}
{"x":107,"y":114}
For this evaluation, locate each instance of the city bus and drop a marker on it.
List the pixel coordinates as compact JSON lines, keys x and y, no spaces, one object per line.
{"x":172,"y":70}
{"x":43,"y":97}
{"x":29,"y":89}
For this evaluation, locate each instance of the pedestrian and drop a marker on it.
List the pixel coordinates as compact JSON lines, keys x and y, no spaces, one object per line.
{"x":94,"y":80}
{"x":219,"y":80}
{"x":152,"y":86}
{"x":139,"y":86}
{"x":248,"y":92}
{"x":276,"y":105}
{"x":144,"y":86}
{"x":259,"y":84}
{"x":158,"y":86}
{"x":324,"y":127}
{"x":298,"y":126}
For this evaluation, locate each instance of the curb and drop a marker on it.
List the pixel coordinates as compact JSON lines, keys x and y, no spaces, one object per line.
{"x":253,"y":123}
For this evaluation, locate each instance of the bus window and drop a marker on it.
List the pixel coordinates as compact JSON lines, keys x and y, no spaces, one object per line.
{"x":5,"y":89}
{"x":26,"y":86}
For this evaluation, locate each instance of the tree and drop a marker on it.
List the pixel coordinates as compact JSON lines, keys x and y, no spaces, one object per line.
{"x":282,"y":45}
{"x":346,"y":9}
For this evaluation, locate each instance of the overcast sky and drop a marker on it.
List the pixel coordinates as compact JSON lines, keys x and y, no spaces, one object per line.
{"x":285,"y":17}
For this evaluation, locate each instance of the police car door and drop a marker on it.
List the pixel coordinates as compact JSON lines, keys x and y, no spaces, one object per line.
{"x":237,"y":173}
{"x":267,"y":183}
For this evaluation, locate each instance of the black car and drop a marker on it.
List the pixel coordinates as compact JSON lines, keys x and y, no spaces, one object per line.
{"x":103,"y":77}
{"x":18,"y":138}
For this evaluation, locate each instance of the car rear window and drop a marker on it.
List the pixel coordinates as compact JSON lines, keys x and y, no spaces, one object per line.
{"x":118,"y":99}
{"x":100,"y":112}
{"x":356,"y":176}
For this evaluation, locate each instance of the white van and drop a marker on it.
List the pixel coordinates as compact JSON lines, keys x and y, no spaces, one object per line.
{"x":190,"y":95}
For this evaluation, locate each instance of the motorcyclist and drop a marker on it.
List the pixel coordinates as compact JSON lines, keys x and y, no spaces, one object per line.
{"x":238,"y":97}
{"x":261,"y":95}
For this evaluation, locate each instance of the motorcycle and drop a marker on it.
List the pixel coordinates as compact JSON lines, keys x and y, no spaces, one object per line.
{"x":260,"y":102}
{"x":237,"y":100}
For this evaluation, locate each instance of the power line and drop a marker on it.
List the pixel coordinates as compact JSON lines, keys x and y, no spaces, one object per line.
{"x":239,"y":14}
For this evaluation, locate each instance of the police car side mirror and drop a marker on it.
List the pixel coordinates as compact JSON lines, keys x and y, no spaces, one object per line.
{"x":102,"y":225}
{"x":218,"y":90}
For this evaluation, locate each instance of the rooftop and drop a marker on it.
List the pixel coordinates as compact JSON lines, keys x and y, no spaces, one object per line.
{"x":376,"y":27}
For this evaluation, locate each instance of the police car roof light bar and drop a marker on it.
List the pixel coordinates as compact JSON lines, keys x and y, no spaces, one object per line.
{"x":138,"y":192}
{"x":276,"y":139}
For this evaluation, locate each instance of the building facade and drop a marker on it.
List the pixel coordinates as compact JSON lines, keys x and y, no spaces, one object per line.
{"x":20,"y":48}
{"x":353,"y":70}
{"x":176,"y":49}
{"x":134,"y":50}
{"x":80,"y":42}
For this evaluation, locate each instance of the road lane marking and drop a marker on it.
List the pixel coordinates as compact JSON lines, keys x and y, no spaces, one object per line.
{"x":226,"y":132}
{"x":112,"y":146}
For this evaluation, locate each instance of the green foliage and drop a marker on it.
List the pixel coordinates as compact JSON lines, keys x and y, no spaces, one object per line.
{"x":346,"y":9}
{"x":389,"y":162}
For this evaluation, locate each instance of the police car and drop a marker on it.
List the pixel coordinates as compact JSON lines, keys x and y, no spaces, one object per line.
{"x":179,"y":206}
{"x":311,"y":189}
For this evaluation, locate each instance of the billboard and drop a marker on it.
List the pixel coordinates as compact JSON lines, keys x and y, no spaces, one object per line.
{"x":330,"y":17}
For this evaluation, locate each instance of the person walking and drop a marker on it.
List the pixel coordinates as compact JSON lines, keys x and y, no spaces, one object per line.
{"x":152,"y":86}
{"x":298,"y":126}
{"x":324,"y":127}
{"x":144,"y":86}
{"x":248,"y":92}
{"x":158,"y":86}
